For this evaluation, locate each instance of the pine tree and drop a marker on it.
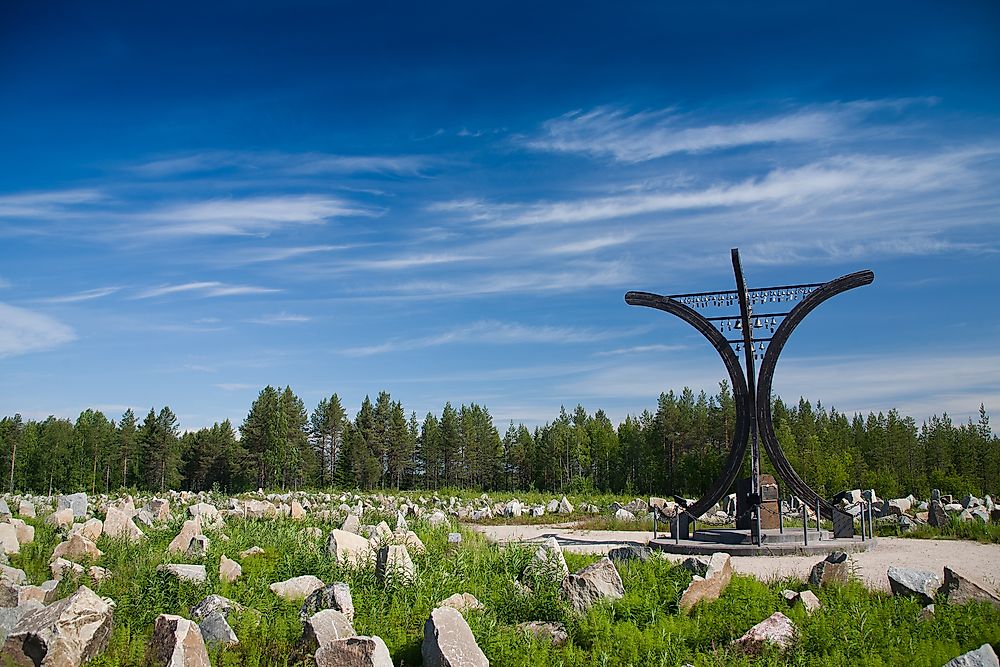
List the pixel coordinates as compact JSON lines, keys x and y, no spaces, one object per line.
{"x":327,"y":430}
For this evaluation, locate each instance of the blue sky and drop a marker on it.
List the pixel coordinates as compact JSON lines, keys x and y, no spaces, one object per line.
{"x":448,"y":202}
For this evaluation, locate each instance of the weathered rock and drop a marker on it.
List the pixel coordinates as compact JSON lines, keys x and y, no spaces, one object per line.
{"x":91,"y":529}
{"x":596,"y":582}
{"x":696,"y":565}
{"x":8,"y":539}
{"x":26,"y":509}
{"x":776,"y":629}
{"x":717,"y":576}
{"x":118,"y":524}
{"x":10,"y":616}
{"x":75,"y":502}
{"x":412,"y":542}
{"x":77,"y":547}
{"x":159,"y":508}
{"x":229,"y":570}
{"x":553,"y":632}
{"x":394,"y":563}
{"x":548,"y":561}
{"x":296,"y":511}
{"x":835,"y":568}
{"x":354,"y":652}
{"x":192,"y":573}
{"x":448,"y":641}
{"x":296,"y":588}
{"x":324,"y":627}
{"x":914,"y":583}
{"x":25,"y":531}
{"x":332,"y":596}
{"x":189,"y":529}
{"x":348,"y":547}
{"x":437,"y":518}
{"x":66,"y":633}
{"x":60,"y":518}
{"x":565,"y":507}
{"x":259,"y":509}
{"x":462,"y":602}
{"x":630,"y":552}
{"x":215,"y":629}
{"x":177,"y":642}
{"x":984,"y":656}
{"x":960,"y":589}
{"x":213,"y":604}
{"x":809,"y":601}
{"x":198,"y":546}
{"x":252,"y":551}
{"x":60,"y":567}
{"x":936,"y":516}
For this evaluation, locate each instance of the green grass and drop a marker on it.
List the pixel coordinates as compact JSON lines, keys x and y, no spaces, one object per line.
{"x":855,"y":625}
{"x":956,"y":529}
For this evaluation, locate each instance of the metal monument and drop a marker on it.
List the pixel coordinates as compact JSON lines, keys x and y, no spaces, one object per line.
{"x":760,"y":335}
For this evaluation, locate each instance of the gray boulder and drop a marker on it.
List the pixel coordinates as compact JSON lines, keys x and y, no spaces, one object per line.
{"x":592,"y":584}
{"x":835,"y":568}
{"x":77,"y":502}
{"x":66,"y":633}
{"x":914,"y":583}
{"x":630,"y":552}
{"x":333,"y":596}
{"x":324,"y":627}
{"x":960,"y":589}
{"x":984,"y":656}
{"x":777,"y":629}
{"x":552,"y":632}
{"x":177,"y":642}
{"x":215,"y":629}
{"x":448,"y":641}
{"x":354,"y":652}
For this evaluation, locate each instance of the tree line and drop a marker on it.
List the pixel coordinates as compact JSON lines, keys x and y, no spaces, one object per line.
{"x":677,"y":449}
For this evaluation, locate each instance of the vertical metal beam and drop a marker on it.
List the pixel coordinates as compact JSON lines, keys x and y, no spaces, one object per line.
{"x":751,"y":374}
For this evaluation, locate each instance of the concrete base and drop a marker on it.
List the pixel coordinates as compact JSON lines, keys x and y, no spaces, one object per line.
{"x":773,"y":543}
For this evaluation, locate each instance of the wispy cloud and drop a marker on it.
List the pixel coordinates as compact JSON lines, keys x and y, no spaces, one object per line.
{"x":588,"y":245}
{"x":260,"y":163}
{"x":645,"y":135}
{"x":86,"y":295}
{"x":281,"y":318}
{"x":491,"y":332}
{"x":23,"y":331}
{"x":235,"y":386}
{"x":204,"y":289}
{"x":49,"y":203}
{"x":262,"y":255}
{"x":640,"y":349}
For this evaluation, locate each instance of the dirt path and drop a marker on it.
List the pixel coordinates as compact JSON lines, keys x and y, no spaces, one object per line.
{"x":980,"y":560}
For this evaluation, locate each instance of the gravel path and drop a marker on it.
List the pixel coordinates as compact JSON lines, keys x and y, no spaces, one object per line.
{"x":979,"y":560}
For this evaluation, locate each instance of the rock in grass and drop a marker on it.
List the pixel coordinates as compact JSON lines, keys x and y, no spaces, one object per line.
{"x":919,"y":584}
{"x":60,"y":518}
{"x":229,"y":570}
{"x":324,"y":627}
{"x":77,"y":547}
{"x":960,"y":589}
{"x":66,"y":633}
{"x":60,"y":567}
{"x":448,"y":641}
{"x":630,"y":552}
{"x":177,"y":642}
{"x":75,"y":502}
{"x":352,"y":524}
{"x":394,"y":564}
{"x":548,"y":561}
{"x":552,"y":632}
{"x":461,"y":602}
{"x":565,"y":507}
{"x":118,"y":524}
{"x":348,"y":548}
{"x":8,"y":539}
{"x":252,"y":551}
{"x":354,"y":652}
{"x":984,"y":656}
{"x":777,"y":629}
{"x":25,"y":531}
{"x":835,"y":568}
{"x":215,"y":630}
{"x":333,"y":596}
{"x":296,"y":588}
{"x":596,"y":582}
{"x":91,"y":529}
{"x":10,"y":616}
{"x":936,"y":515}
{"x":194,"y":574}
{"x":180,"y":543}
{"x":213,"y":604}
{"x":26,"y":509}
{"x":718,"y":574}
{"x":198,"y":546}
{"x":806,"y":597}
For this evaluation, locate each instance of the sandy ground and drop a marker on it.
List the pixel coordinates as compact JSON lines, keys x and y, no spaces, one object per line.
{"x":979,"y":560}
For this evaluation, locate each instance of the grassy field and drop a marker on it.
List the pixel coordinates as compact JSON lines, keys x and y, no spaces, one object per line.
{"x":855,"y":626}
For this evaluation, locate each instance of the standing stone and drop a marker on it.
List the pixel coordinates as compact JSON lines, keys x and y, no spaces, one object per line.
{"x":77,"y":502}
{"x":324,"y":627}
{"x":192,"y":573}
{"x":835,"y":568}
{"x":8,"y":539}
{"x":213,"y":604}
{"x":215,"y":629}
{"x":960,"y":589}
{"x":66,"y":633}
{"x":984,"y":656}
{"x":776,"y":629}
{"x":718,"y":574}
{"x":394,"y":563}
{"x":180,"y":543}
{"x":26,"y":509}
{"x":333,"y":596}
{"x":118,"y":524}
{"x":229,"y":570}
{"x":296,"y":588}
{"x":914,"y":583}
{"x":25,"y":531}
{"x":462,"y":602}
{"x":448,"y":641}
{"x":60,"y":518}
{"x":354,"y":652}
{"x":936,"y":515}
{"x":548,"y":561}
{"x":593,"y":583}
{"x":565,"y":507}
{"x":91,"y":529}
{"x":11,"y":616}
{"x":348,"y":548}
{"x":198,"y":546}
{"x":177,"y":642}
{"x":296,"y":511}
{"x":77,"y":547}
{"x":352,"y":524}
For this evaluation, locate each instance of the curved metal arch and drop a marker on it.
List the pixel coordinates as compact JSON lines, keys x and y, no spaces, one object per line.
{"x":765,"y":425}
{"x":738,"y":448}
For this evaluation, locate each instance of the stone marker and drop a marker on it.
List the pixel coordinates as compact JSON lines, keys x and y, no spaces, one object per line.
{"x":936,"y":516}
{"x":630,"y":552}
{"x":75,"y":502}
{"x":229,"y":570}
{"x":8,"y":539}
{"x":553,"y":632}
{"x":548,"y":561}
{"x":835,"y":568}
{"x":26,"y":509}
{"x":348,"y":547}
{"x":324,"y":627}
{"x":296,"y":588}
{"x":91,"y":529}
{"x":60,"y":518}
{"x":960,"y":589}
{"x":776,"y":629}
{"x":177,"y":642}
{"x":984,"y":656}
{"x":718,"y":574}
{"x":448,"y":641}
{"x":77,"y":547}
{"x":194,"y":574}
{"x":354,"y":652}
{"x":118,"y":524}
{"x":332,"y":596}
{"x":462,"y":602}
{"x":215,"y":629}
{"x":599,"y":581}
{"x":66,"y":633}
{"x":394,"y":563}
{"x":352,"y":524}
{"x":915,"y":583}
